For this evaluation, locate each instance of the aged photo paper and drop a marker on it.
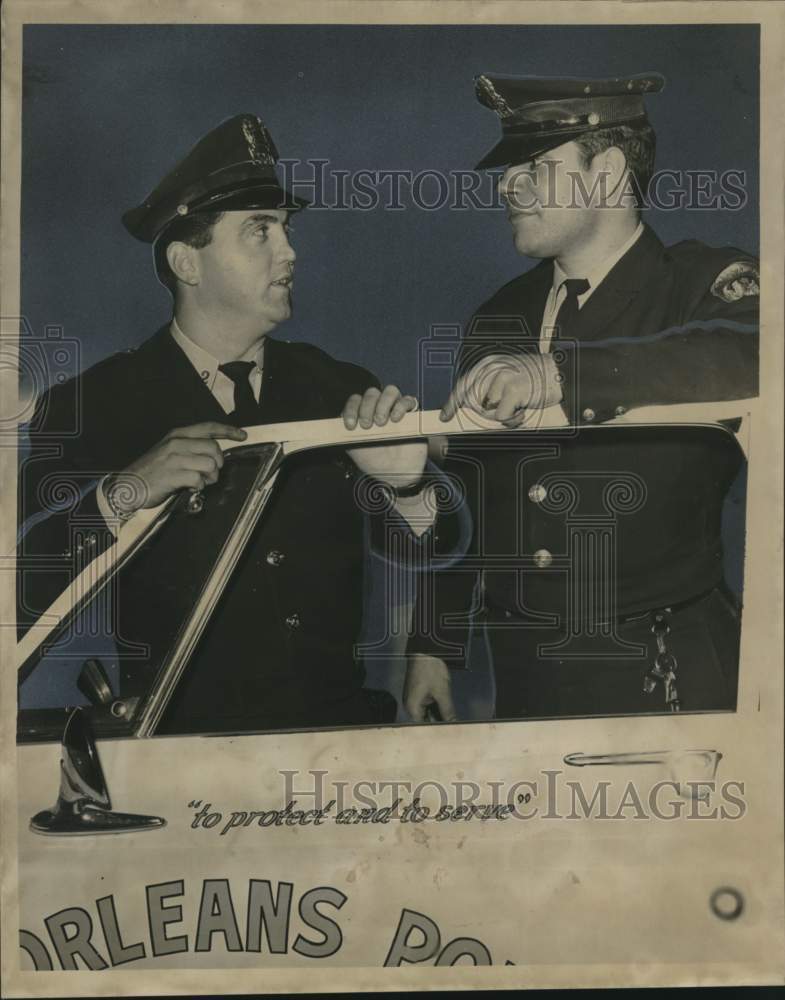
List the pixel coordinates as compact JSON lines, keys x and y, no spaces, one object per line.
{"x":391,"y":465}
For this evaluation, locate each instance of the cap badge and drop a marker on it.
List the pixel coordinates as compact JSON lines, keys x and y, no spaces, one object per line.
{"x":492,"y":98}
{"x":260,"y":146}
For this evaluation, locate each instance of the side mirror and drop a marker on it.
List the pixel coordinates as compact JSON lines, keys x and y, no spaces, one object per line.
{"x":83,"y":805}
{"x":94,"y":684}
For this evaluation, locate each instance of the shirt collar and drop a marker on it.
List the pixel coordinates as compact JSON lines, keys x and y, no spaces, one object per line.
{"x":204,"y":363}
{"x":598,"y":274}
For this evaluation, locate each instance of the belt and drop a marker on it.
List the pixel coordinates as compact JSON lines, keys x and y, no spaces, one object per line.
{"x":671,"y":609}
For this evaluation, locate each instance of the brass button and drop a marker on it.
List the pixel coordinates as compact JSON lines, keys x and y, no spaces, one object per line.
{"x":274,"y":557}
{"x":542,"y":558}
{"x":293,"y":621}
{"x":620,"y":411}
{"x":593,"y":118}
{"x":588,"y":414}
{"x":537,"y":493}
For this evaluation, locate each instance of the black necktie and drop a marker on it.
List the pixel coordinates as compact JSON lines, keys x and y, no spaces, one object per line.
{"x":246,"y":409}
{"x":568,"y":310}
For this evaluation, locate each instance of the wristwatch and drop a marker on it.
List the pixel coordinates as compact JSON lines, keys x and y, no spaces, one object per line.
{"x":413,"y":490}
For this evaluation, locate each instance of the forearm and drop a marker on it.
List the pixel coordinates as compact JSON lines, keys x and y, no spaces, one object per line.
{"x":703,"y":361}
{"x":442,"y":621}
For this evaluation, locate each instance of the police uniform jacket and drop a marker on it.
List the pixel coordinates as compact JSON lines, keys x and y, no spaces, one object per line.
{"x":278,"y":651}
{"x":667,"y":325}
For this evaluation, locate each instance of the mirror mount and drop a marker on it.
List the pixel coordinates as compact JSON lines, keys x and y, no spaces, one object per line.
{"x":94,"y":684}
{"x":83,"y":804}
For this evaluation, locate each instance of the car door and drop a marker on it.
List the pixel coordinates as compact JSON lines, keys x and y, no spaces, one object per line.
{"x":211,"y":836}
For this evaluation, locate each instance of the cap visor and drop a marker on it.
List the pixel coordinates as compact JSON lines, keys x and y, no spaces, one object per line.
{"x":502,"y":155}
{"x":269,"y":195}
{"x":512,"y":149}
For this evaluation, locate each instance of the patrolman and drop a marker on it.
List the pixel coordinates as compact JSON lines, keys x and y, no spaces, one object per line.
{"x":612,"y":595}
{"x":278,"y":652}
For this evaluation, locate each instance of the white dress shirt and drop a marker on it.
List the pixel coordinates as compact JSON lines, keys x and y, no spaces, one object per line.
{"x":220,"y":385}
{"x":558,"y":292}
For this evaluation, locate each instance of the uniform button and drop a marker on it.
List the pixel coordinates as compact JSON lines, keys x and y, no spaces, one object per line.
{"x":293,"y":621}
{"x":274,"y":557}
{"x":588,"y":414}
{"x":537,"y":493}
{"x":542,"y":558}
{"x":620,"y":411}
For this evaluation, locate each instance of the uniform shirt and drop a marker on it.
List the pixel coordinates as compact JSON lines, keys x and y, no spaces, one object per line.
{"x":219,"y":384}
{"x":558,"y":294}
{"x":416,"y":511}
{"x":595,"y":276}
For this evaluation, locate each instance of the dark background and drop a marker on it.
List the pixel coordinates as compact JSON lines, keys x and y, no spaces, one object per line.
{"x":109,"y":109}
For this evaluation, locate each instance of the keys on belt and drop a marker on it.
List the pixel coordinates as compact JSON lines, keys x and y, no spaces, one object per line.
{"x":665,"y":663}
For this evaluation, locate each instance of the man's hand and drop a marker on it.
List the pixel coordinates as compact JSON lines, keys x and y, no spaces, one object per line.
{"x":503,"y":386}
{"x":398,"y":465}
{"x":428,"y":682}
{"x":188,"y":457}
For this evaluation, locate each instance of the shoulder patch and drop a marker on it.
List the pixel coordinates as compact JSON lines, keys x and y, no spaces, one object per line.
{"x":736,"y":281}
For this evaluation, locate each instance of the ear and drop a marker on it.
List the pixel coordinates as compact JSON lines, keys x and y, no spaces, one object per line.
{"x":615,"y":163}
{"x":182,"y":260}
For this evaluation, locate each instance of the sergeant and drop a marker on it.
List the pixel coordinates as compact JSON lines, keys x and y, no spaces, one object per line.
{"x":279,"y":650}
{"x":624,"y":617}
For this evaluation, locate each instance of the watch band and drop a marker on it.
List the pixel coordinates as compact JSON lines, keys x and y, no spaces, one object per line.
{"x":413,"y":490}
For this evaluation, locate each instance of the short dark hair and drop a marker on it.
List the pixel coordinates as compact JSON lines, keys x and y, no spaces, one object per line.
{"x":639,"y":146}
{"x":196,"y":230}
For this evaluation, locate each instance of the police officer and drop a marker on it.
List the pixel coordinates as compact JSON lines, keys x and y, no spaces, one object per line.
{"x":279,"y":650}
{"x":612,"y":598}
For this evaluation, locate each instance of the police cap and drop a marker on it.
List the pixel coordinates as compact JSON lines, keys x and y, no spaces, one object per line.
{"x":232,"y":167}
{"x":539,"y":113}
